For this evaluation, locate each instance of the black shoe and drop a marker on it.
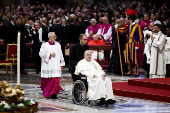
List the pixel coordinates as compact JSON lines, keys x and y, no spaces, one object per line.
{"x":23,"y":72}
{"x":37,"y":72}
{"x":128,"y":74}
{"x":54,"y":96}
{"x":102,"y":101}
{"x":135,"y":75}
{"x":110,"y":101}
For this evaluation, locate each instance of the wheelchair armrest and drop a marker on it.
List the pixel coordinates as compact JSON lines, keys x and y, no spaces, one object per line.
{"x":82,"y":77}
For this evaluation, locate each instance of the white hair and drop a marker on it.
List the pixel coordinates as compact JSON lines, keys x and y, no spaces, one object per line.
{"x":50,"y":34}
{"x":87,"y":51}
{"x":93,"y":19}
{"x":73,"y":15}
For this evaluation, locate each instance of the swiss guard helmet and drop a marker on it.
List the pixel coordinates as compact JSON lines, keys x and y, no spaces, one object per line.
{"x":131,"y":13}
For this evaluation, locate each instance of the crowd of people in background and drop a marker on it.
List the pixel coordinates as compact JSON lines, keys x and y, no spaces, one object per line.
{"x":97,"y":21}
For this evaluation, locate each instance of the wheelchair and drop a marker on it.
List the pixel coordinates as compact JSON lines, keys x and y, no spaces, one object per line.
{"x":79,"y":91}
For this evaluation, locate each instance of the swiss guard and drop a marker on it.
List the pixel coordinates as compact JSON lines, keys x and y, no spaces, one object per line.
{"x":135,"y":35}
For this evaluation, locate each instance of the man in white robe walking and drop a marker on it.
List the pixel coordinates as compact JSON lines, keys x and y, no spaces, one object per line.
{"x":156,"y":45}
{"x":52,"y":64}
{"x":99,"y":86}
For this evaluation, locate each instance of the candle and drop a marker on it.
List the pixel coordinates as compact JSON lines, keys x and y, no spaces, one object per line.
{"x":18,"y":59}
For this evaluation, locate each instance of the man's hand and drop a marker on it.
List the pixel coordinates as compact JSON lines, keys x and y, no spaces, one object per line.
{"x":2,"y":40}
{"x":43,"y":42}
{"x":53,"y":54}
{"x":103,"y":77}
{"x":101,"y":36}
{"x":152,"y":38}
{"x":68,"y":44}
{"x":148,"y":35}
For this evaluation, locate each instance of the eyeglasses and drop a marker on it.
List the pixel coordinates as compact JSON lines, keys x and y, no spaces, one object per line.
{"x":84,"y":39}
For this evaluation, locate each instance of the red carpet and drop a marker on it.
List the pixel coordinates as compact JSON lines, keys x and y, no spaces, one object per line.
{"x":151,"y":89}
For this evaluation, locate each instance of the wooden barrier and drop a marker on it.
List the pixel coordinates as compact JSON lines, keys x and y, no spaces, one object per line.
{"x":107,"y":47}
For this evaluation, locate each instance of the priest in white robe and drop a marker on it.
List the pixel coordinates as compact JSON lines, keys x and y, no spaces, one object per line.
{"x":51,"y":66}
{"x":99,"y":86}
{"x":156,"y":45}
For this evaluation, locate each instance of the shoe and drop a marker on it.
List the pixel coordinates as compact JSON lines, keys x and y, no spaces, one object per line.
{"x":102,"y":101}
{"x":24,"y":72}
{"x":37,"y":72}
{"x":54,"y":96}
{"x":128,"y":74}
{"x":135,"y":75}
{"x":110,"y":101}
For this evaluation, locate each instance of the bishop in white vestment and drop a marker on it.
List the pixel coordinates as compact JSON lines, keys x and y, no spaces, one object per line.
{"x":156,"y":45}
{"x":51,"y":66}
{"x":99,"y":86}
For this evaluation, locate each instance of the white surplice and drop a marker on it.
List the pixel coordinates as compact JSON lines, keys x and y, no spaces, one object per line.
{"x":97,"y":88}
{"x":146,"y":50}
{"x":167,"y":50}
{"x":157,"y":59}
{"x":51,"y":68}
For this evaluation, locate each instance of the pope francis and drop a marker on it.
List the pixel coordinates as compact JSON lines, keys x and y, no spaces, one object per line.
{"x":99,"y":86}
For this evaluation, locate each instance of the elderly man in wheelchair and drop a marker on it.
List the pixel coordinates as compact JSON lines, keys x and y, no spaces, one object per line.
{"x":99,"y":86}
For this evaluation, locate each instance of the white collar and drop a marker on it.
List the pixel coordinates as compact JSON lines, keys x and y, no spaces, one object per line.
{"x":63,"y":25}
{"x":43,"y":24}
{"x":158,"y":33}
{"x":164,"y":23}
{"x":133,"y":23}
{"x":12,"y":23}
{"x":40,"y":29}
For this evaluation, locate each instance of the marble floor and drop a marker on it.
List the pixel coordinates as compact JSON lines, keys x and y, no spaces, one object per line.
{"x":31,"y":85}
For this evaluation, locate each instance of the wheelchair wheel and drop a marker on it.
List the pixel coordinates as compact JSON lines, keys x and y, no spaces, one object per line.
{"x":89,"y":103}
{"x":79,"y":92}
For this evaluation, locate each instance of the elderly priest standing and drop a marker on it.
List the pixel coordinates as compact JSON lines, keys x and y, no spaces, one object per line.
{"x":99,"y":86}
{"x":52,"y":64}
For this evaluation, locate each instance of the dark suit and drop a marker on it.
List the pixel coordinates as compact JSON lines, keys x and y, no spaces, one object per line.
{"x":45,"y":28}
{"x":61,"y":36}
{"x":36,"y":48}
{"x":76,"y":54}
{"x":73,"y":33}
{"x":11,"y":34}
{"x":59,"y":33}
{"x":115,"y":59}
{"x":6,"y":22}
{"x":83,"y":26}
{"x":163,"y":28}
{"x":2,"y":36}
{"x":23,"y":48}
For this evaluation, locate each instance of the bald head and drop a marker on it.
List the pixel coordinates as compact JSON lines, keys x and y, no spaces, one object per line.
{"x":105,"y":20}
{"x":95,"y":38}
